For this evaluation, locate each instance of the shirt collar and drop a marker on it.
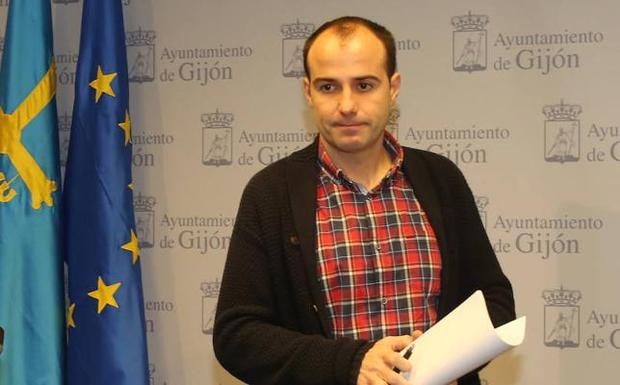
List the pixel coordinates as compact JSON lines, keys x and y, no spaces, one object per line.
{"x":338,"y":176}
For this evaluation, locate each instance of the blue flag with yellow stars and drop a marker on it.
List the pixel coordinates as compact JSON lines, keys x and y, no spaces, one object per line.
{"x":105,"y":317}
{"x":31,"y":275}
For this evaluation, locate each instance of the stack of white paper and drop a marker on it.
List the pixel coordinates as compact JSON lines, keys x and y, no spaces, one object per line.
{"x":459,"y":343}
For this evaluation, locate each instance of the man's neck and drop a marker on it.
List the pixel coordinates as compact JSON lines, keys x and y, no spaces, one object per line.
{"x":366,"y":168}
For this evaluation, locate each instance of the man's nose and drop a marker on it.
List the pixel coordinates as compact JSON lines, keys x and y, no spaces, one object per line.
{"x":347,"y":104}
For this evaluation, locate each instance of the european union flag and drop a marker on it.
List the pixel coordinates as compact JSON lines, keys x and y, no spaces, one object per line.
{"x":107,"y":342}
{"x":31,"y":277}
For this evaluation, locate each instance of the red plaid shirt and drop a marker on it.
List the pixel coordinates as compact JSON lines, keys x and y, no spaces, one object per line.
{"x":378,"y":260}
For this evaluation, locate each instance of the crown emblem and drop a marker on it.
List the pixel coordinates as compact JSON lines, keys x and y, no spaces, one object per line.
{"x":562,"y":297}
{"x":562,"y":111}
{"x":64,"y":122}
{"x":210,"y":289}
{"x":144,"y":203}
{"x":217,"y":119}
{"x":482,"y":202}
{"x":470,"y":22}
{"x":140,"y":37}
{"x":297,"y":30}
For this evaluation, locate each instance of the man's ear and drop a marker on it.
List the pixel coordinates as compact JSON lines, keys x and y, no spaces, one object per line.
{"x":395,"y":86}
{"x":307,"y":90}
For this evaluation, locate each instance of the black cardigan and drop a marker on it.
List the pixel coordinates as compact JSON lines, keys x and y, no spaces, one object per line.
{"x":272,"y":325}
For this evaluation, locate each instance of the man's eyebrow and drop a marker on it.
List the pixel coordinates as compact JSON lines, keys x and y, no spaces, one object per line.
{"x":358,"y":78}
{"x":319,"y":80}
{"x":368,"y":77}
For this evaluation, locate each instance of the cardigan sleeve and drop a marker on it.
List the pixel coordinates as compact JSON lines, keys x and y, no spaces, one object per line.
{"x":250,"y":339}
{"x":478,"y":264}
{"x":472,"y":262}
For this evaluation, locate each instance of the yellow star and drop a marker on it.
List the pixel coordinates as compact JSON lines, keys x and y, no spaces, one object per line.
{"x":130,"y":185}
{"x":103,"y":83}
{"x":126,"y":127}
{"x":105,"y":294}
{"x":132,"y":246}
{"x":70,"y":320}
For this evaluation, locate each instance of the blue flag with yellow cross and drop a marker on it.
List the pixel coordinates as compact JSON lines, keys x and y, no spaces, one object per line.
{"x":31,"y":273}
{"x":106,"y":325}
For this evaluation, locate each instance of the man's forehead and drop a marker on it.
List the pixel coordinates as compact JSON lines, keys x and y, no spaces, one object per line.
{"x":356,"y":47}
{"x":355,"y":37}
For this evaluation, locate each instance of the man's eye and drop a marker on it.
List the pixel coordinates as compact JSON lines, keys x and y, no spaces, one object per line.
{"x":364,"y":86}
{"x":327,"y":87}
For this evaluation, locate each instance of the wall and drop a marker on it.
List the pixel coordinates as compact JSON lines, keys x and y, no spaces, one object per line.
{"x":521,"y":95}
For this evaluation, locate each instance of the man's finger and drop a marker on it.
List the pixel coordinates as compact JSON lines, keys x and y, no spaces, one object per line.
{"x":400,"y":363}
{"x":400,"y":342}
{"x":393,"y":378}
{"x":376,"y":379}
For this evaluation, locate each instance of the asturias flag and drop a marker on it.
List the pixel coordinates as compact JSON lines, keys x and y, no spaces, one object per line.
{"x":31,"y":277}
{"x":106,"y":334}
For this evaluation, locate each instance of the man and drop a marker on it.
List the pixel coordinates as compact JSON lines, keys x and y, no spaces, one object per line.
{"x":347,"y":250}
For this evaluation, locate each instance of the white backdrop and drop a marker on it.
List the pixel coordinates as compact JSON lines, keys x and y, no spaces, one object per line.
{"x":521,"y":95}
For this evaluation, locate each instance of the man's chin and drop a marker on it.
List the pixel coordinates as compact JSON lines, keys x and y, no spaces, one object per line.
{"x":350,"y":145}
{"x":345,"y":131}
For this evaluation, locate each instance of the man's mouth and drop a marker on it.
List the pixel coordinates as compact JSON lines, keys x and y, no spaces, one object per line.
{"x":349,"y":124}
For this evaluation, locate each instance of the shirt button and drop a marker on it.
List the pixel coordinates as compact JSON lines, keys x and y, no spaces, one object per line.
{"x":384,"y":301}
{"x":378,"y":247}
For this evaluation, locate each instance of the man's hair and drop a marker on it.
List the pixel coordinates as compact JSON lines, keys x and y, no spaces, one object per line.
{"x":346,"y":26}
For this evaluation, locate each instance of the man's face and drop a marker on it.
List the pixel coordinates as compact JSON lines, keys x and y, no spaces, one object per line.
{"x":349,"y":90}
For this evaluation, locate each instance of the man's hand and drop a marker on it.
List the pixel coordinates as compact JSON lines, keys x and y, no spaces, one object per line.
{"x":380,"y":361}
